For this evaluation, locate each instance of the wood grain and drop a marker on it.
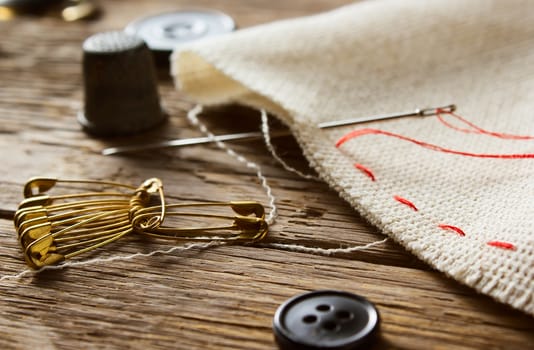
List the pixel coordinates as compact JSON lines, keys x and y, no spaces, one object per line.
{"x":217,"y":298}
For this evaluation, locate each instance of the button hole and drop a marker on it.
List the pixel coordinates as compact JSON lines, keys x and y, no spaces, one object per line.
{"x":330,"y":326}
{"x":309,"y":319}
{"x":323,"y":307}
{"x":343,"y":315}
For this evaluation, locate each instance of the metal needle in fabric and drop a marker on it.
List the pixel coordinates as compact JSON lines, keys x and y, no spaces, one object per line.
{"x":425,"y":112}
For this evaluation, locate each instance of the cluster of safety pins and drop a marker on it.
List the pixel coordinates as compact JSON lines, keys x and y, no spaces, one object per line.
{"x":52,"y":228}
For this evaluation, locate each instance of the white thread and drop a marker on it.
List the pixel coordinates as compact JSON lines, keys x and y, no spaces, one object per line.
{"x":290,"y":247}
{"x":321,"y":251}
{"x":269,"y":145}
{"x":192,"y":115}
{"x":23,"y":273}
{"x":18,"y":275}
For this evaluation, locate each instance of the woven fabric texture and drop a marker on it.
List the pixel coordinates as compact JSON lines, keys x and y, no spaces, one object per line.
{"x":379,"y":57}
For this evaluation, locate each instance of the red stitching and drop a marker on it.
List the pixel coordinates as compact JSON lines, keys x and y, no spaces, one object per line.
{"x":365,"y":170}
{"x":362,"y":132}
{"x":501,"y":244}
{"x":498,"y":244}
{"x":475,"y":129}
{"x":452,"y":228}
{"x":405,"y":202}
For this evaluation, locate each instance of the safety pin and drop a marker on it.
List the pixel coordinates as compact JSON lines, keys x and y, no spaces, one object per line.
{"x":248,"y":222}
{"x":246,"y":136}
{"x":55,"y":228}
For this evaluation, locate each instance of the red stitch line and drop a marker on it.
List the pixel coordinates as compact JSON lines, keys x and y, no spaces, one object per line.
{"x":406,"y":202}
{"x":365,"y":170}
{"x":361,"y":132}
{"x":475,"y":129}
{"x":501,"y":244}
{"x":452,"y":228}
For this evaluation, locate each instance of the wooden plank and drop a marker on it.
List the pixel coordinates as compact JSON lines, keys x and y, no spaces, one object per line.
{"x":225,"y":297}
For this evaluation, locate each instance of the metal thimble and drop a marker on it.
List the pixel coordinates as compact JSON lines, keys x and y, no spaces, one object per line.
{"x":121,"y":95}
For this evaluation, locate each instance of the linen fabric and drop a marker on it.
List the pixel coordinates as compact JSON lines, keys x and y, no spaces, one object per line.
{"x":377,"y":57}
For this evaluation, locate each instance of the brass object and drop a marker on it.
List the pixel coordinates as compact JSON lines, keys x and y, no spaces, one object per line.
{"x":55,"y":228}
{"x":68,"y":10}
{"x":75,"y":10}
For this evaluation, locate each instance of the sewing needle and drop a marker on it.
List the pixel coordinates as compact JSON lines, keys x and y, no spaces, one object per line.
{"x":244,"y":136}
{"x":425,"y":112}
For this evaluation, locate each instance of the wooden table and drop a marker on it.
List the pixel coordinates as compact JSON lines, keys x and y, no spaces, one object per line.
{"x":218,"y":298}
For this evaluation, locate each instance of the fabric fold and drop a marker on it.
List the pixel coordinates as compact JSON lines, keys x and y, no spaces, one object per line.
{"x":386,"y":56}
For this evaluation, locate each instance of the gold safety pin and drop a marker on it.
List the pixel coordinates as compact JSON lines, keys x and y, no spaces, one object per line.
{"x":53,"y":228}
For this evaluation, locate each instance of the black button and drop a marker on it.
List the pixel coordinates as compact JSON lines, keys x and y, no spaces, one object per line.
{"x":325,"y":320}
{"x":166,"y":31}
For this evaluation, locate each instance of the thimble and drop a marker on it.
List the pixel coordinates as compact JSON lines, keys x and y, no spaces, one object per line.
{"x":121,"y":95}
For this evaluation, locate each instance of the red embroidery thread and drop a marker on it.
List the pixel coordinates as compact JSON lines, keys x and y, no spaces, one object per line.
{"x":362,"y":132}
{"x":475,"y":129}
{"x":452,"y":228}
{"x":405,"y":202}
{"x":365,"y":170}
{"x":501,"y":244}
